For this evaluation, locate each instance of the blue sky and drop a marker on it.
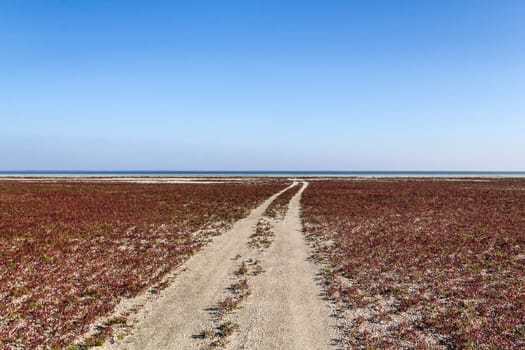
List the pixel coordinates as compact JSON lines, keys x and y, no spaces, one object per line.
{"x":262,"y":85}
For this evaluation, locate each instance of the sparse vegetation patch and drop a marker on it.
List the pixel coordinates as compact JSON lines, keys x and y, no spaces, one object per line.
{"x":277,"y":209}
{"x":263,"y":236}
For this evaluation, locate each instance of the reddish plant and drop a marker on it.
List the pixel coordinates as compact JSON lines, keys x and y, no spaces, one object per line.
{"x":445,"y":256}
{"x":277,"y":209}
{"x":69,"y":251}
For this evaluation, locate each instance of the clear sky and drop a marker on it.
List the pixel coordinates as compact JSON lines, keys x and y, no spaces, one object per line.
{"x":262,"y":85}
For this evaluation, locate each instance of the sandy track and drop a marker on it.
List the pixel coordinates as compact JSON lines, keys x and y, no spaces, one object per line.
{"x":285,"y":310}
{"x":180,"y":312}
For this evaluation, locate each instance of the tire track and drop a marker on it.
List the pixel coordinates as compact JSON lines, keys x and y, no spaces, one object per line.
{"x":172,"y":320}
{"x":286,"y":309}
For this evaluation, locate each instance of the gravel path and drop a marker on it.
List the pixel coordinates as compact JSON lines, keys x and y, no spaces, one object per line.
{"x":284,"y":311}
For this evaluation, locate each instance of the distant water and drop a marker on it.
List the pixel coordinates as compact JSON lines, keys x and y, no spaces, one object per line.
{"x":270,"y":173}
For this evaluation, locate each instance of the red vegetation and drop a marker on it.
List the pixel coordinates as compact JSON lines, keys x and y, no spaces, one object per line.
{"x":277,"y":209}
{"x":69,"y":251}
{"x":423,"y":263}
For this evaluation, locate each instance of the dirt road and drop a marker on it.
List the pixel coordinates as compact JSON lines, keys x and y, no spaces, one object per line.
{"x":279,"y":307}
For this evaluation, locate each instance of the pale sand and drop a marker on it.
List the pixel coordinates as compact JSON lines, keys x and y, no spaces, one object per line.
{"x":129,"y":179}
{"x":285,"y":311}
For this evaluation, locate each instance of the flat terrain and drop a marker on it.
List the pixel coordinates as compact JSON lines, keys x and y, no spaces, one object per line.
{"x":423,"y":263}
{"x":262,"y":263}
{"x":258,"y":284}
{"x":70,"y":251}
{"x":286,"y":309}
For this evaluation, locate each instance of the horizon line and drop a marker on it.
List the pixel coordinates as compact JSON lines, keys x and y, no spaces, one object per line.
{"x":253,"y":171}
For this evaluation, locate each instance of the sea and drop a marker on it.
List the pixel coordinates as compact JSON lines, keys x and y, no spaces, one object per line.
{"x":366,"y":173}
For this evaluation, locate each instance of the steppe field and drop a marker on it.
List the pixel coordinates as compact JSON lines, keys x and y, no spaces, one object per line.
{"x":149,"y":262}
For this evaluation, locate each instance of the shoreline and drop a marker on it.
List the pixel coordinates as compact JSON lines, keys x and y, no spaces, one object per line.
{"x":201,"y":177}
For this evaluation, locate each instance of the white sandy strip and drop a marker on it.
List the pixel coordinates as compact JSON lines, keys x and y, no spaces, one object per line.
{"x":134,"y":179}
{"x":286,"y":309}
{"x":180,"y":312}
